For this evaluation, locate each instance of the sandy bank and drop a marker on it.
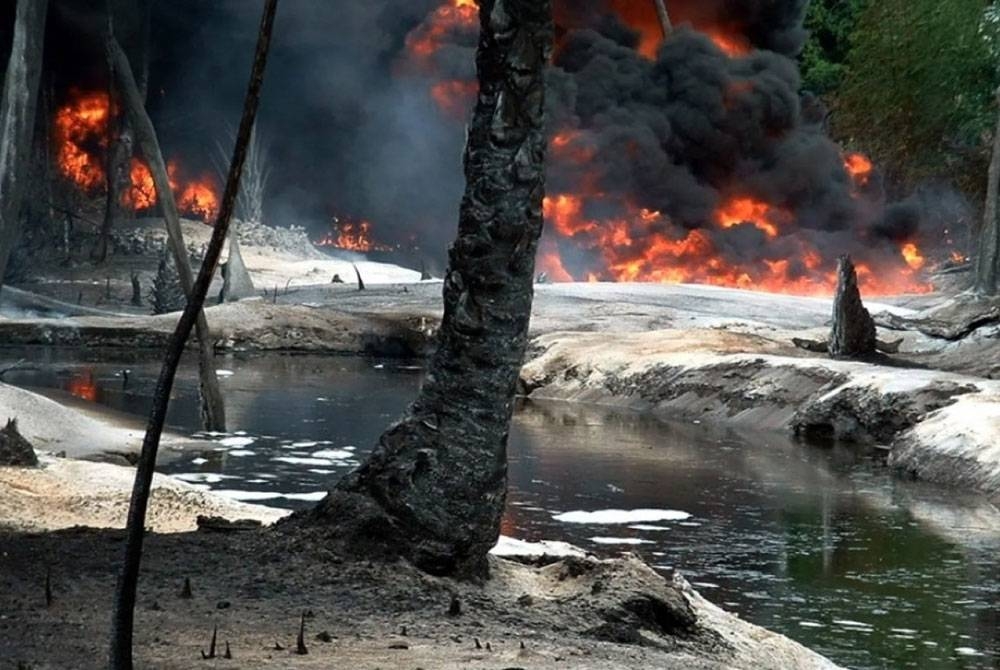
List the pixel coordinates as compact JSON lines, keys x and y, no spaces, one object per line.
{"x":939,"y":426}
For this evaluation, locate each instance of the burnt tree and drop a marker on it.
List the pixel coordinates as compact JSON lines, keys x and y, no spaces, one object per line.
{"x":123,"y":619}
{"x":988,"y":258}
{"x":212,"y":406}
{"x":853,"y":332}
{"x":131,"y":21}
{"x":436,"y":482}
{"x":17,"y":119}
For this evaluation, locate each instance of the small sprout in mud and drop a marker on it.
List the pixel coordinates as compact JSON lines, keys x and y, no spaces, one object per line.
{"x":48,"y":587}
{"x":522,"y":645}
{"x":278,"y":647}
{"x":324,"y":637}
{"x":526,"y":600}
{"x":228,"y":653}
{"x":402,"y":631}
{"x":300,"y":643}
{"x":455,"y":609}
{"x":489,"y":647}
{"x":222,"y":605}
{"x":478,"y":646}
{"x":155,"y":606}
{"x":336,"y":280}
{"x":211,"y":645}
{"x":186,"y":589}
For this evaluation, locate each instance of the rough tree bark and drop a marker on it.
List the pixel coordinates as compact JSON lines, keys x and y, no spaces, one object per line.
{"x":988,"y":260}
{"x":853,"y":332}
{"x":123,"y":621}
{"x":212,"y":405}
{"x":17,"y":118}
{"x":436,"y":482}
{"x":131,"y":18}
{"x":665,"y":24}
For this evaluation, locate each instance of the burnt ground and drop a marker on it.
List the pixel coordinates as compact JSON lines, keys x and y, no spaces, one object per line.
{"x":254,"y":586}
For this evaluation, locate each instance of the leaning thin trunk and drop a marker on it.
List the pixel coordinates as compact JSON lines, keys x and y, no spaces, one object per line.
{"x":439,"y":475}
{"x":120,"y":653}
{"x":17,"y":119}
{"x":661,"y":12}
{"x":213,"y":408}
{"x":132,"y":18}
{"x":988,"y":259}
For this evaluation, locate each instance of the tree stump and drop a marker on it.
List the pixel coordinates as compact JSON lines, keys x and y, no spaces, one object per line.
{"x":14,"y":449}
{"x":237,"y":283}
{"x":853,"y":333}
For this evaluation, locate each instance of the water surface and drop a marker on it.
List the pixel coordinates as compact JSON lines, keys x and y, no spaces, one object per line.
{"x":818,"y":543}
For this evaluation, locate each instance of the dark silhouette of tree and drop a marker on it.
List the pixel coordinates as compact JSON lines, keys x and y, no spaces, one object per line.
{"x":123,"y":621}
{"x":17,"y":119}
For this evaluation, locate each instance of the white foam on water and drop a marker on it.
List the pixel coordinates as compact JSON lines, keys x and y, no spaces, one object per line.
{"x":300,"y":460}
{"x":705,"y":585}
{"x":619,"y":540}
{"x":202,"y":477}
{"x":199,"y":461}
{"x":320,"y":471}
{"x":851,"y":624}
{"x":224,"y":373}
{"x":647,"y":527}
{"x":810,"y":624}
{"x":315,"y":496}
{"x":241,"y":452}
{"x":620,"y":516}
{"x":301,"y":445}
{"x":967,"y":651}
{"x":335,"y":454}
{"x":236,"y":441}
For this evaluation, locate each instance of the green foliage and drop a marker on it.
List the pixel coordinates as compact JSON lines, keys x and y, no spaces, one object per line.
{"x":831,"y":24}
{"x":918,"y":89}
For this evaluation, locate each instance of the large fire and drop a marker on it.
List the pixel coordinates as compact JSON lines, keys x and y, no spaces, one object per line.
{"x":593,"y":235}
{"x":81,"y":139}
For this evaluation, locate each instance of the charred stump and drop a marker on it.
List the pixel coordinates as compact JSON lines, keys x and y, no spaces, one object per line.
{"x":236,"y":281}
{"x":436,"y":483}
{"x":14,"y":449}
{"x":853,"y":332}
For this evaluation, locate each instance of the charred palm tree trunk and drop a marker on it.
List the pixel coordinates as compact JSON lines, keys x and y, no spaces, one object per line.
{"x":17,"y":119}
{"x":438,"y":477}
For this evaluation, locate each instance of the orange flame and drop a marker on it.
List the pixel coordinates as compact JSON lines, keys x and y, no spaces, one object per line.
{"x":747,"y":210}
{"x":352,"y":236}
{"x":425,"y":41}
{"x":859,"y":167}
{"x":80,"y":133}
{"x":912,"y":255}
{"x":81,"y":138}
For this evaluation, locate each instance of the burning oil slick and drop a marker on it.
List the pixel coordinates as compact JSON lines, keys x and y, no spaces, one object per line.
{"x":690,"y":159}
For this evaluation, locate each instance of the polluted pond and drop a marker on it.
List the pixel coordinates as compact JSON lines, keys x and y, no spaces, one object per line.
{"x":821,"y":544}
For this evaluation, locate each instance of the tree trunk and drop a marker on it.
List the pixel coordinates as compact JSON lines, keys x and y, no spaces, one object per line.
{"x":988,"y":260}
{"x":17,"y":119}
{"x":131,"y":18}
{"x":213,"y":408}
{"x":853,"y":332}
{"x":438,"y":477}
{"x":665,"y":24}
{"x":123,"y":620}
